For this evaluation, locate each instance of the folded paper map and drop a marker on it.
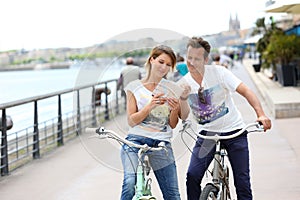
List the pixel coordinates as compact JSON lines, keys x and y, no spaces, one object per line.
{"x":169,"y":89}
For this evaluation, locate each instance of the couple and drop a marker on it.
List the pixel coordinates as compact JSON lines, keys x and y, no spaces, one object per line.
{"x":152,"y":115}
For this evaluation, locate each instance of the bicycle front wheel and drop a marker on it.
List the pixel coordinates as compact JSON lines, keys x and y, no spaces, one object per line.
{"x":209,"y":192}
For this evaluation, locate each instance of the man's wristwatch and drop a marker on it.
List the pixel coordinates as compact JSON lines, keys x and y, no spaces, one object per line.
{"x":184,"y":99}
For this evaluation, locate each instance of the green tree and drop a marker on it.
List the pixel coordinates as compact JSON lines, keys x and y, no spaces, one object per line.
{"x":267,"y":30}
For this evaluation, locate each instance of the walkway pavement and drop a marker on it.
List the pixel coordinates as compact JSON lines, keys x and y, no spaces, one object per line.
{"x":89,"y":168}
{"x":284,"y":102}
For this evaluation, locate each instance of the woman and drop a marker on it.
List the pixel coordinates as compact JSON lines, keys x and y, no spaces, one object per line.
{"x":152,"y":115}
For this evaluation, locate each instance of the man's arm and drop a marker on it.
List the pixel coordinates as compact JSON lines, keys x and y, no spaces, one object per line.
{"x":253,"y":100}
{"x":184,"y":106}
{"x":184,"y":109}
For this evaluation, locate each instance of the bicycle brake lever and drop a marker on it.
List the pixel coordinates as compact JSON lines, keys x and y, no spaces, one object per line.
{"x":102,"y":134}
{"x":260,"y":126}
{"x":163,"y":146}
{"x":93,"y":136}
{"x":185,"y":125}
{"x":100,"y":130}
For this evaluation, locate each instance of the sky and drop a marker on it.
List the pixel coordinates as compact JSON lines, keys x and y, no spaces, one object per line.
{"x":37,"y":24}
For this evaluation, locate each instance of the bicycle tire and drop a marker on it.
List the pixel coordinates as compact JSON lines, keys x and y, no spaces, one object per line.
{"x":209,"y":192}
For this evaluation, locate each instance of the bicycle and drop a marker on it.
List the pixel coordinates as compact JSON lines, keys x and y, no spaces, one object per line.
{"x":218,"y":188}
{"x":143,"y":179}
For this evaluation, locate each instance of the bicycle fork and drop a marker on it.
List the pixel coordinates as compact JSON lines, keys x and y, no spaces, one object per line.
{"x":143,"y":182}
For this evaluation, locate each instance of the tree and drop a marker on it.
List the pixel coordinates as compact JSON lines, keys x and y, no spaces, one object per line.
{"x":263,"y":42}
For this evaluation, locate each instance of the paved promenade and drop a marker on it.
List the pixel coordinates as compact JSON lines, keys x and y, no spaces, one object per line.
{"x":89,"y":168}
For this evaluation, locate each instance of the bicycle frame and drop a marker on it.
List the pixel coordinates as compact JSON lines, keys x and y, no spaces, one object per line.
{"x":143,"y":181}
{"x":218,"y":188}
{"x":220,"y":172}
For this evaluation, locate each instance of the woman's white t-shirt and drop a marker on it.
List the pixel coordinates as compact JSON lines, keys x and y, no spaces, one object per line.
{"x":218,"y":113}
{"x":156,"y":124}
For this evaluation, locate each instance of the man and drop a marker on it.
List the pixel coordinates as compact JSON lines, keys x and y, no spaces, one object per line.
{"x":129,"y":73}
{"x":214,"y":110}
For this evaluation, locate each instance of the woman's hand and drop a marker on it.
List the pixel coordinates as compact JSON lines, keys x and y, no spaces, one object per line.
{"x":157,"y":99}
{"x":173,"y":104}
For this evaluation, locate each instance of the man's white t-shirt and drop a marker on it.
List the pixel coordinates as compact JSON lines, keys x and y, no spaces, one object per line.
{"x":218,"y":113}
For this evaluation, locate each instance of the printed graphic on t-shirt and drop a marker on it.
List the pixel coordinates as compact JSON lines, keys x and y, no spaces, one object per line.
{"x":210,"y":107}
{"x":158,"y":119}
{"x":144,"y":100}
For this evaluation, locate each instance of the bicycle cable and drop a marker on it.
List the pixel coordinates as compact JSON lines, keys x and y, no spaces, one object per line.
{"x":196,"y":140}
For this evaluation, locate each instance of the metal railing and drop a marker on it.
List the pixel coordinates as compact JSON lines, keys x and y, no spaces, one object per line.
{"x":19,"y":147}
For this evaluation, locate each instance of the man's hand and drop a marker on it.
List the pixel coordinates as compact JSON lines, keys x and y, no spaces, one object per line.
{"x":266,"y":122}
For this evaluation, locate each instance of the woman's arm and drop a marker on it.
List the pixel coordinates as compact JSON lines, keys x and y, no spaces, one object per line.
{"x":174,"y":106}
{"x":133,"y":116}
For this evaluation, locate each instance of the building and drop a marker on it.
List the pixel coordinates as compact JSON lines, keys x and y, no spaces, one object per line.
{"x":234,"y":24}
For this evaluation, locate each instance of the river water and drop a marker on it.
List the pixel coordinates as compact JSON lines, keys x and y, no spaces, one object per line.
{"x":18,"y":85}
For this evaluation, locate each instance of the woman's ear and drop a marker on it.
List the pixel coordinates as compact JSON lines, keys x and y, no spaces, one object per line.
{"x":151,"y":60}
{"x":206,"y":60}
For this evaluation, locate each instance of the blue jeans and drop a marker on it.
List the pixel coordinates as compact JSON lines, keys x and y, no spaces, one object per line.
{"x":202,"y":155}
{"x":162,"y":163}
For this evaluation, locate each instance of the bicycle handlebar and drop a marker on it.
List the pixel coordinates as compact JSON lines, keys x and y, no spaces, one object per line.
{"x":259,"y":128}
{"x":105,"y":133}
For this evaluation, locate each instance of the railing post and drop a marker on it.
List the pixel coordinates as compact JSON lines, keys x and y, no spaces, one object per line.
{"x":117,"y":100}
{"x":4,"y":154}
{"x":36,"y":142}
{"x":106,"y":102}
{"x":78,"y":121}
{"x":60,"y":137}
{"x":94,"y":119}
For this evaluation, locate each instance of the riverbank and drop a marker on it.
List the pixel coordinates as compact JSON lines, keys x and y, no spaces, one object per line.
{"x":41,"y":66}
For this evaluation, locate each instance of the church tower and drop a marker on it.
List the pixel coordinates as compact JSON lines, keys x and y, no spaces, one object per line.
{"x":234,"y":24}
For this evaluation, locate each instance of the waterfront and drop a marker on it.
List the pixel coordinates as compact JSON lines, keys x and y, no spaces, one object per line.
{"x":18,"y":85}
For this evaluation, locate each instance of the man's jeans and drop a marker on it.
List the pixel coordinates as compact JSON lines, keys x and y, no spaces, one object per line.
{"x":162,"y":163}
